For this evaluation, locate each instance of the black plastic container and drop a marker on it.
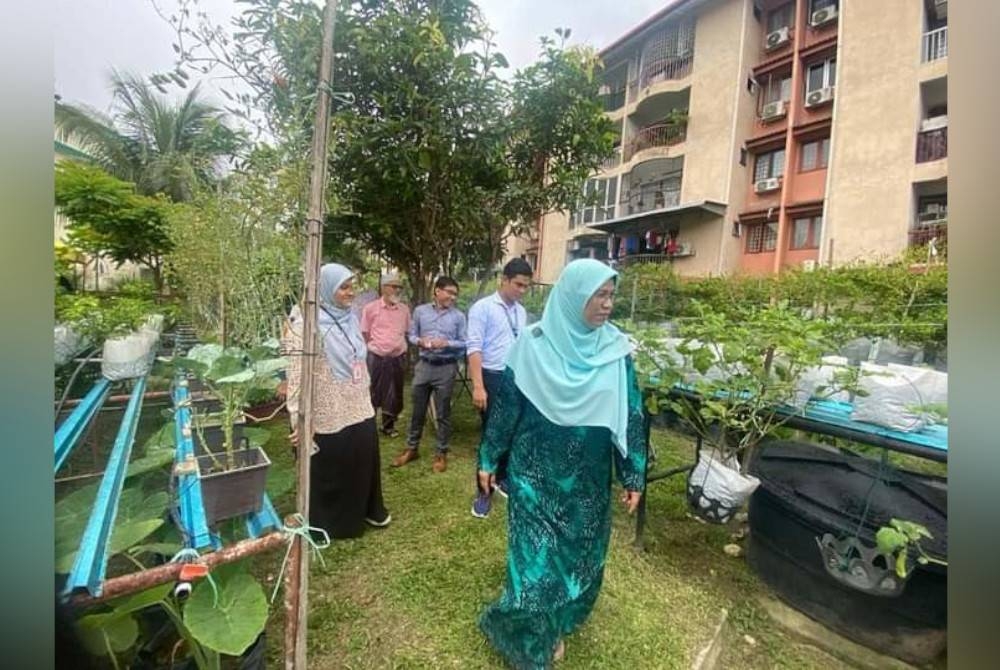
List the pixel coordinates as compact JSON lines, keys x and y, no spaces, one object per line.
{"x":808,"y":492}
{"x":231,"y":493}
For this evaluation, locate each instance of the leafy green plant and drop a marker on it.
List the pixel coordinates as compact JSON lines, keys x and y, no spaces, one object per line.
{"x":737,"y":378}
{"x":98,"y":318}
{"x":231,"y":375}
{"x":222,"y":617}
{"x":901,"y":540}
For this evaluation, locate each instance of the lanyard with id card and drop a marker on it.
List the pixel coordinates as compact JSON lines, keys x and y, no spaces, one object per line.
{"x":358,"y":367}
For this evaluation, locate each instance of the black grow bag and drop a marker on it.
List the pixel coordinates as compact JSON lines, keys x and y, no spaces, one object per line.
{"x":807,"y":492}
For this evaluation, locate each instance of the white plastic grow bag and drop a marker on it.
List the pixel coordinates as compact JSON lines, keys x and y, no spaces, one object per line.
{"x":716,"y":488}
{"x":67,"y":344}
{"x":128,"y":357}
{"x":897,"y":396}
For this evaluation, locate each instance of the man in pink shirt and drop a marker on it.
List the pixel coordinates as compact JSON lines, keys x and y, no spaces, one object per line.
{"x":384,"y":323}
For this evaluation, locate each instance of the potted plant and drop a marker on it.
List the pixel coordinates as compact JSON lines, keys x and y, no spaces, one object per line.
{"x":232,"y":479}
{"x":732,"y":382}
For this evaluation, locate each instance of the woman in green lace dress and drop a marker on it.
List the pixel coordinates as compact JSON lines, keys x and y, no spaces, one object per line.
{"x":568,"y":411}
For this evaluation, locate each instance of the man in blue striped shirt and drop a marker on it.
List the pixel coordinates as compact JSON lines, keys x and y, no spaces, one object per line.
{"x":494,"y":323}
{"x":437,"y":329}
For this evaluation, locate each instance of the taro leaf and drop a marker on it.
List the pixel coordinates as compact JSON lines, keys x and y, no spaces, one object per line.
{"x":258,"y":437}
{"x":163,"y":438}
{"x":99,"y":631}
{"x":262,"y":352}
{"x":154,"y":459}
{"x":269,"y":366}
{"x":237,"y":378}
{"x":237,"y":621}
{"x":162,"y":548}
{"x":137,"y":518}
{"x":142,"y":600}
{"x":205,"y":354}
{"x":227,"y":366}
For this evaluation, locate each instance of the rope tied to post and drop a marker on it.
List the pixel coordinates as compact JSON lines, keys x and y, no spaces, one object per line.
{"x":305,"y":531}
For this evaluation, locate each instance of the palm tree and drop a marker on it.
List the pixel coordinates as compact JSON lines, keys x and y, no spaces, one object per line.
{"x":160,"y":146}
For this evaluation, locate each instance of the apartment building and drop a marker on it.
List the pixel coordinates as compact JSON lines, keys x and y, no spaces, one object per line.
{"x":756,"y":135}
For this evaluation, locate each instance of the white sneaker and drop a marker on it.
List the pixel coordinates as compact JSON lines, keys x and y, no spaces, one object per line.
{"x":379,"y":524}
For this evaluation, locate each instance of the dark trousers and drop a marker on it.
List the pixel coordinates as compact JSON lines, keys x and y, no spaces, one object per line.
{"x":439,"y":381}
{"x":491,"y":380}
{"x":345,"y":482}
{"x":386,"y":373}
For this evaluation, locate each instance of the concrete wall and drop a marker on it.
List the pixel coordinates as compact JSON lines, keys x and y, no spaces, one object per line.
{"x":876,"y":116}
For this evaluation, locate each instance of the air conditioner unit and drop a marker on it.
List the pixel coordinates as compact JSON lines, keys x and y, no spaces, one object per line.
{"x":820,"y":96}
{"x":684,"y":249}
{"x":934,"y":123}
{"x":765,"y":185}
{"x":809,"y":265}
{"x":774,"y":110}
{"x":777,"y":38}
{"x":823,"y":16}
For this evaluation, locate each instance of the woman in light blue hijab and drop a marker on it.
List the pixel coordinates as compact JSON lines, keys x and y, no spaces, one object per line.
{"x":568,"y":414}
{"x":345,"y":477}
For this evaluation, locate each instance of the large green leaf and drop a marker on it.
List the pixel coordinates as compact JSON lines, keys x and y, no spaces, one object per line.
{"x":99,"y":631}
{"x":206,"y":354}
{"x":142,"y":600}
{"x":227,"y":366}
{"x":237,"y":621}
{"x":154,"y":459}
{"x":269,"y":366}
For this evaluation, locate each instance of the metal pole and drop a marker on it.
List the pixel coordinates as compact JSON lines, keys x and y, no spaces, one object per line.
{"x":296,"y":596}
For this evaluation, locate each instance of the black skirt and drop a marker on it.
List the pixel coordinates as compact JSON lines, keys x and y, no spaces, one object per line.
{"x":345,"y":484}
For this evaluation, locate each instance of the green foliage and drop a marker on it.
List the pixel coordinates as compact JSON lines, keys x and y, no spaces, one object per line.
{"x":236,"y":254}
{"x":99,"y":317}
{"x":887,"y":300}
{"x":164,"y":148}
{"x":900,"y":540}
{"x":107,"y":217}
{"x":231,"y":374}
{"x":742,"y":372}
{"x":232,"y":623}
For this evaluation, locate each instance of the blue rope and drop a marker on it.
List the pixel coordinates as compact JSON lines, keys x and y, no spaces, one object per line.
{"x":304,"y":531}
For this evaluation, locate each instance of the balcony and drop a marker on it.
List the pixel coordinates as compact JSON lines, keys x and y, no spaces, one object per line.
{"x":659,"y":135}
{"x":612,"y":161}
{"x":684,"y":250}
{"x":925,"y":231}
{"x":613,"y":101}
{"x":667,"y":68}
{"x":648,"y":198}
{"x":935,"y":45}
{"x":932,"y":145}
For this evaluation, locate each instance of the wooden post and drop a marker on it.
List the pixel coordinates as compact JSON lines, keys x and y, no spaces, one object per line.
{"x":296,"y":596}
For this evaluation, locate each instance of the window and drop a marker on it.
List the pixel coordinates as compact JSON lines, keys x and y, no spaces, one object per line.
{"x":762,"y":237}
{"x":777,"y":87}
{"x":817,"y":5}
{"x":932,"y":209}
{"x":598,"y":202}
{"x":821,"y":75}
{"x":805,"y":232}
{"x":770,"y":164}
{"x":814,"y":155}
{"x":781,"y":17}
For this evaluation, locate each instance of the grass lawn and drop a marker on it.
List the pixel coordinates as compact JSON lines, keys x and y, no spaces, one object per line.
{"x":408,"y":596}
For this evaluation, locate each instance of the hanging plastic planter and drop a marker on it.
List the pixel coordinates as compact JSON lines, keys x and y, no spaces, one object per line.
{"x":129,"y":356}
{"x":716,"y":489}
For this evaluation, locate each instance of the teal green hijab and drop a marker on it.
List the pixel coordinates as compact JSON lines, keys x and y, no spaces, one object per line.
{"x":573,"y":373}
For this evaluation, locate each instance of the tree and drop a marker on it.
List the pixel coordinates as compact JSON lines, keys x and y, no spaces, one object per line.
{"x":437,"y":158}
{"x":159,"y":146}
{"x":107,"y":217}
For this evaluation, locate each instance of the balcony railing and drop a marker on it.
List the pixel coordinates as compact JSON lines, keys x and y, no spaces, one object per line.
{"x":612,"y":161}
{"x":932,"y":145}
{"x":659,"y":135}
{"x":935,"y":44}
{"x":683,"y":251}
{"x":648,"y":199}
{"x":923,"y":233}
{"x":667,"y":68}
{"x":613,"y":101}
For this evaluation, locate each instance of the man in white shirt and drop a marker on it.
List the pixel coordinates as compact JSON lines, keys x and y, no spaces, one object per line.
{"x":494,"y":323}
